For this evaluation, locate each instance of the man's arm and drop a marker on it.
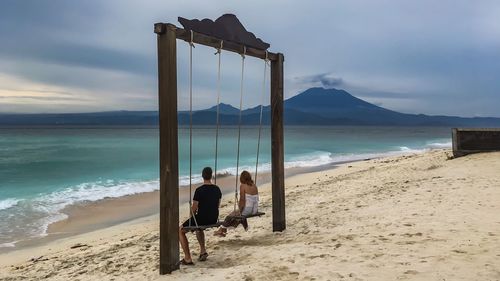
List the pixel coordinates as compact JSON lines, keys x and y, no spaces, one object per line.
{"x":194,"y":207}
{"x":220,"y":197}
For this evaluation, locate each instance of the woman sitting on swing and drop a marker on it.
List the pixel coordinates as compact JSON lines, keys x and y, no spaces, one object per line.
{"x":247,"y":205}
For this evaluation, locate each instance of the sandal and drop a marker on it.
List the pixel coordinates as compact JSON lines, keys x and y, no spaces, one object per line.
{"x":184,"y":262}
{"x":203,"y":257}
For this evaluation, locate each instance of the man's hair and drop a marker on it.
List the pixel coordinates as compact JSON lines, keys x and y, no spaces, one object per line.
{"x":207,"y":173}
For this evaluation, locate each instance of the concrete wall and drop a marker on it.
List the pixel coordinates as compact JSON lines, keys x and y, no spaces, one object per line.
{"x":466,"y":141}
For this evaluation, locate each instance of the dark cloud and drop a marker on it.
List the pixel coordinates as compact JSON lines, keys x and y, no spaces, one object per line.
{"x":75,"y":79}
{"x":326,"y":80}
{"x":78,"y":55}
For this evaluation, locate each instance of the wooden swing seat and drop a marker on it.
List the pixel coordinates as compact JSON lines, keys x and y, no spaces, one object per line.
{"x":258,"y":214}
{"x":201,"y":227}
{"x":218,"y":224}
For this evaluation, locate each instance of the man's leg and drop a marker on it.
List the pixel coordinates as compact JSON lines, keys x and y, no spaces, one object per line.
{"x":200,"y":235}
{"x":185,"y":244}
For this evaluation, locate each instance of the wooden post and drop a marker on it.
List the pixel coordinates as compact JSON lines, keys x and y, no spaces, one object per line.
{"x":277,"y":144}
{"x":169,"y":169}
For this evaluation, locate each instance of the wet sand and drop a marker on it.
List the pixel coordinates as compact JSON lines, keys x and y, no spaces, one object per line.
{"x":87,"y":217}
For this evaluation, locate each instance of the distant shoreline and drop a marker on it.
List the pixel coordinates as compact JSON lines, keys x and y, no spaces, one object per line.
{"x":313,"y":107}
{"x":91,"y":216}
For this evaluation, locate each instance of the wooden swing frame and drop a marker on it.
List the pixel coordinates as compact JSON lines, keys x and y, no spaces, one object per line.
{"x":167,"y":35}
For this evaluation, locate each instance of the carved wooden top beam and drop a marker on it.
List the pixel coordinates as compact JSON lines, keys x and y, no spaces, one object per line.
{"x":226,"y":29}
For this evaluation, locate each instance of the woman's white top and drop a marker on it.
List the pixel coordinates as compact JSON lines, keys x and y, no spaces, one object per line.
{"x":251,"y":205}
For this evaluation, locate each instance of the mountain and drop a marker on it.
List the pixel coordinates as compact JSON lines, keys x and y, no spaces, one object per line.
{"x":341,"y":108}
{"x":326,"y":101}
{"x":315,"y":106}
{"x":339,"y":104}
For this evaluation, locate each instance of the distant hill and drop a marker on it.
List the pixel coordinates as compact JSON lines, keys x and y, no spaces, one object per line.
{"x":315,"y":106}
{"x":340,"y":106}
{"x":98,"y":118}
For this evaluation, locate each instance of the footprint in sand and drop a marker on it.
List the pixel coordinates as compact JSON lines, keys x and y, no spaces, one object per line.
{"x":412,"y":234}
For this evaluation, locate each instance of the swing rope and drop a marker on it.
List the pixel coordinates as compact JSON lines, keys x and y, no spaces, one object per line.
{"x":266,"y":61}
{"x":191,"y":46}
{"x":219,"y":51}
{"x":239,"y":127}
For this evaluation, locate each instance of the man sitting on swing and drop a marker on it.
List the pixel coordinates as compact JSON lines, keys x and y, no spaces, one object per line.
{"x":205,"y":207}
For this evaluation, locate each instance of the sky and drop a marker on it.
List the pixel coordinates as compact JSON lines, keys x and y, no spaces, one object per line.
{"x":431,"y":57}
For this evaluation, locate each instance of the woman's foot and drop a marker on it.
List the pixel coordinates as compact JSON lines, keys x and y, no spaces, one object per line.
{"x":221,"y":232}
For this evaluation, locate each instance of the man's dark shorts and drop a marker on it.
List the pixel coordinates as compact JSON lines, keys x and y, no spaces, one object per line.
{"x":191,"y":222}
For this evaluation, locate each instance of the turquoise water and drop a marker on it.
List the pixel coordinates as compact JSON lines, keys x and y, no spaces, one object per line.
{"x":43,"y":170}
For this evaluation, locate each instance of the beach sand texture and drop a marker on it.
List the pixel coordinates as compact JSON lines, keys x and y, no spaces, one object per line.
{"x":414,"y":217}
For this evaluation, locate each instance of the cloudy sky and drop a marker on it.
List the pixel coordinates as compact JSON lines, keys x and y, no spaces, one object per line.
{"x":432,"y":57}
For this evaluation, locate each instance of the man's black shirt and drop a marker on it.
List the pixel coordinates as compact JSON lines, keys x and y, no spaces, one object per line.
{"x":208,"y":197}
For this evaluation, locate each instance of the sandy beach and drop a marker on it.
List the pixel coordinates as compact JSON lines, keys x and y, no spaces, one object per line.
{"x":414,"y":217}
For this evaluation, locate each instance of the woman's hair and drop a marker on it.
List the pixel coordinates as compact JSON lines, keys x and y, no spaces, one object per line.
{"x":246,"y":178}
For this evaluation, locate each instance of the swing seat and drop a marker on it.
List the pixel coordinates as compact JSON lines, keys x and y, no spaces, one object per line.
{"x":201,"y":227}
{"x":218,"y":224}
{"x":258,"y":214}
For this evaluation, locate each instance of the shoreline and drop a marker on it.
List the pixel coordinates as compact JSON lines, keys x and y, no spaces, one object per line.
{"x":145,"y":204}
{"x":79,"y":217}
{"x":109,"y":212}
{"x":113,"y":214}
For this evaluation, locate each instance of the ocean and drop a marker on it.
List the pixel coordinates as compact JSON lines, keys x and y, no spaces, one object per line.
{"x":43,"y":170}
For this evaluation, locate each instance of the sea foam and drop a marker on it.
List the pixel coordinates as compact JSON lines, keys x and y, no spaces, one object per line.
{"x":8,"y":203}
{"x":49,"y":206}
{"x":438,"y":145}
